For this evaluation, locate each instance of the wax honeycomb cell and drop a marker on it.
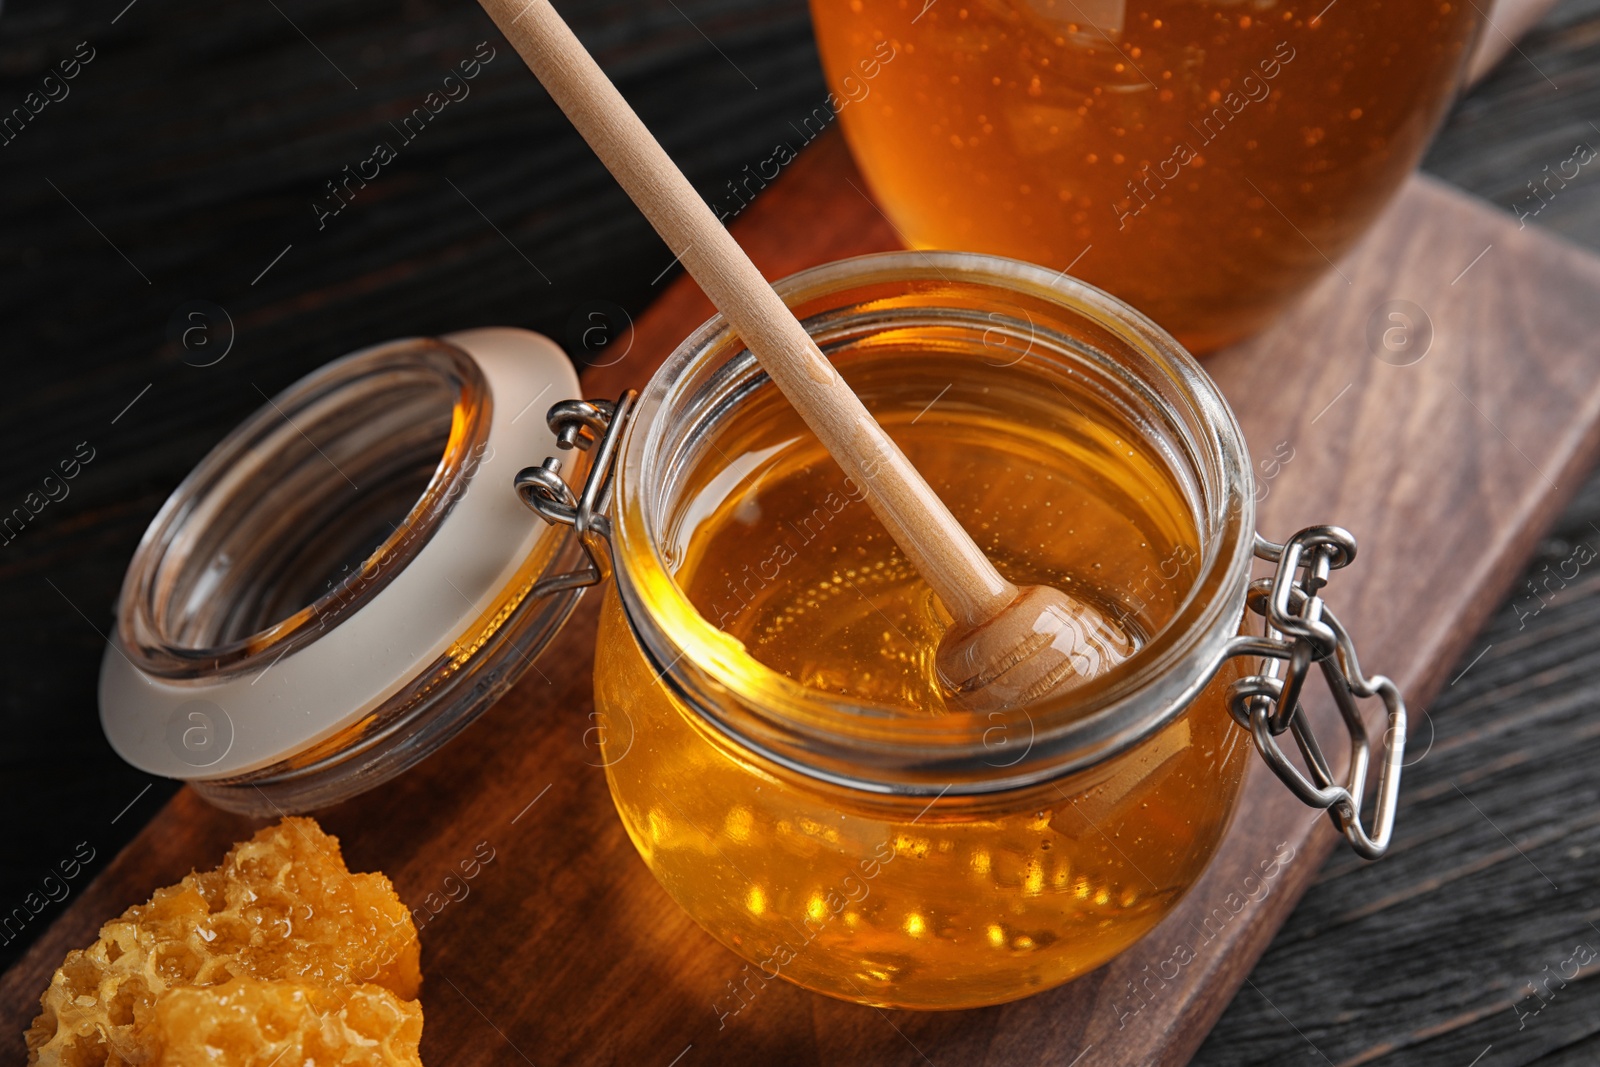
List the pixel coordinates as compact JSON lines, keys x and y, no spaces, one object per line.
{"x":252,"y":1023}
{"x":280,"y":943}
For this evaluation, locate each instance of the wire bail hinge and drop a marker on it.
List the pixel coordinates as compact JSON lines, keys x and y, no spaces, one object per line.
{"x":1302,"y":632}
{"x":594,"y":426}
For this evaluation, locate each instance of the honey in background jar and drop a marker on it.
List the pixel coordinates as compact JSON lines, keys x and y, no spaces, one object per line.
{"x":1204,"y":161}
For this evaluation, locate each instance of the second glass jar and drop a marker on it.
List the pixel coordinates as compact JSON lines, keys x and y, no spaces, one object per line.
{"x":1205,"y":162}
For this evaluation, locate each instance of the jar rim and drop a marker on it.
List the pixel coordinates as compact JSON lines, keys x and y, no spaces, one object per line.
{"x":867,"y":746}
{"x":225,"y":482}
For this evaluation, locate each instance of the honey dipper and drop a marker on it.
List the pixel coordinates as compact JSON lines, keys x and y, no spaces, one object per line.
{"x":1007,"y":646}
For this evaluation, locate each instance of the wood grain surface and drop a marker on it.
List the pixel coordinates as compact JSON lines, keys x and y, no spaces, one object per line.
{"x":1443,"y":954}
{"x":567,"y":951}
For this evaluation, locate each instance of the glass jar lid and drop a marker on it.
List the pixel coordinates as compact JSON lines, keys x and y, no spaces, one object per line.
{"x":337,"y":575}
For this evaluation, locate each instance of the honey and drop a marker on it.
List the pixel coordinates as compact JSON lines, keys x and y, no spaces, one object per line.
{"x":915,"y":902}
{"x":1204,"y":161}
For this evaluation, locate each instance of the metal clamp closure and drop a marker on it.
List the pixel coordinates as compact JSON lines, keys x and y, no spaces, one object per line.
{"x":585,"y":425}
{"x":1301,"y":631}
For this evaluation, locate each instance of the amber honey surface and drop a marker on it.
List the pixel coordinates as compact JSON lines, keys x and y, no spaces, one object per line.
{"x":1204,"y":160}
{"x":901,"y":901}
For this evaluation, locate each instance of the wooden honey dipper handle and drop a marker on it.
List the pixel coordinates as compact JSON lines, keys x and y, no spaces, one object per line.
{"x":1006,"y":647}
{"x":937,"y":545}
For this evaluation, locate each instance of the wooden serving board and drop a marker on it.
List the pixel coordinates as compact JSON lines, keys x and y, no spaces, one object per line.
{"x":566,"y":950}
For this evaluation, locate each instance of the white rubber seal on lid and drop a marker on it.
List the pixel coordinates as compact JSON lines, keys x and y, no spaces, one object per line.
{"x":215,"y":728}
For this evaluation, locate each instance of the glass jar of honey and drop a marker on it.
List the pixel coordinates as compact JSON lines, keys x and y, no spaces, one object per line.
{"x":1204,"y":161}
{"x":777,"y":741}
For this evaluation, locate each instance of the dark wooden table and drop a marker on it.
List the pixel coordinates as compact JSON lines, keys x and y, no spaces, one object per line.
{"x":181,"y":174}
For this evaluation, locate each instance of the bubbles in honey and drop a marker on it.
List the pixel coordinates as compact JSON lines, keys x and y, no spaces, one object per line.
{"x":756,"y":900}
{"x":1201,"y":164}
{"x":738,"y":824}
{"x":787,"y":558}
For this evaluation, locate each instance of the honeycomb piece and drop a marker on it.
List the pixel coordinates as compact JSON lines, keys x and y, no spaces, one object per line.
{"x":251,"y":1023}
{"x":282,"y":906}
